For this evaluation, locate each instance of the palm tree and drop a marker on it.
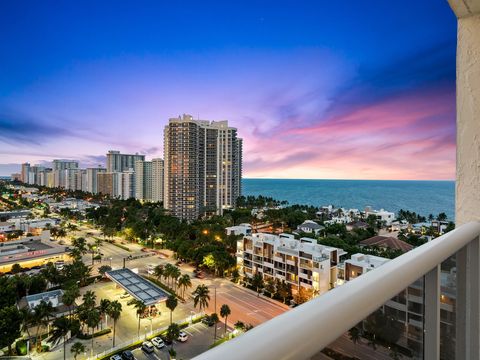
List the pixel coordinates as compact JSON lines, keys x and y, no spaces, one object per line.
{"x":77,"y":349}
{"x":184,"y":282}
{"x":225,"y":312}
{"x":69,"y":296}
{"x":27,"y":319}
{"x":89,"y":299}
{"x":173,"y":332}
{"x":104,"y":305}
{"x":201,"y":297}
{"x":158,"y":272}
{"x":214,"y":318}
{"x":257,"y":282}
{"x":42,"y":314}
{"x":167,"y":273}
{"x":92,"y":321}
{"x":171,"y":304}
{"x":114,"y":310}
{"x":354,"y":335}
{"x":176,"y":273}
{"x":61,"y":328}
{"x":141,"y":307}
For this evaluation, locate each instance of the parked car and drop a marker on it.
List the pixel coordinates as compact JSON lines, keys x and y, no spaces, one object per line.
{"x":183,"y":336}
{"x":200,"y":275}
{"x":207,"y":320}
{"x":127,"y":355}
{"x":179,"y":263}
{"x":147,"y":346}
{"x":115,"y":357}
{"x":158,"y":342}
{"x":166,"y":340}
{"x":124,"y":295}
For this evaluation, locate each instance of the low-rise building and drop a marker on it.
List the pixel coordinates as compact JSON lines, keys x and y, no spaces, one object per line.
{"x":242,"y":229}
{"x":382,"y":215}
{"x":31,"y":252}
{"x":360,"y":264}
{"x":300,"y":263}
{"x":310,"y":227}
{"x":386,"y":242}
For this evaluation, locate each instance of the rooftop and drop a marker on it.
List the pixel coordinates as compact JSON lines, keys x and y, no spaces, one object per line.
{"x":387,"y":242}
{"x":137,"y":286}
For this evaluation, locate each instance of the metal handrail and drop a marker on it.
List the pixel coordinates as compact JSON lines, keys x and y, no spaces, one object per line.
{"x":304,"y":331}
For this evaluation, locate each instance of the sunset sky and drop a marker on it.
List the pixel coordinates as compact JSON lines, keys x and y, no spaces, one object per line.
{"x":317,"y":89}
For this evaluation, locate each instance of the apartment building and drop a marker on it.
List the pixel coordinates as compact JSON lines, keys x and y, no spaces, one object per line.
{"x":143,"y":179}
{"x":202,"y":167}
{"x":91,"y":179}
{"x":118,"y":162}
{"x":301,"y":263}
{"x":157,"y":179}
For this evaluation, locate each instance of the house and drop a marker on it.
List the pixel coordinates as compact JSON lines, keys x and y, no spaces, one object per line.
{"x":387,"y":242}
{"x":382,"y":215}
{"x":357,"y":225}
{"x":310,"y":227}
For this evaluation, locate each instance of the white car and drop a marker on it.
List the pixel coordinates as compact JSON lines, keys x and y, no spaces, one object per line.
{"x":182,"y":337}
{"x":115,"y":357}
{"x":158,"y":342}
{"x":151,"y":269}
{"x":147,"y":346}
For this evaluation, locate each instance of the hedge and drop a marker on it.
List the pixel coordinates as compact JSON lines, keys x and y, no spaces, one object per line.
{"x":97,"y":334}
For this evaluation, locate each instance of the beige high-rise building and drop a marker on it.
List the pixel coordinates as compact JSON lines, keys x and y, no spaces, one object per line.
{"x":143,"y":180}
{"x":157,"y":180}
{"x":203,"y":167}
{"x":117,"y":162}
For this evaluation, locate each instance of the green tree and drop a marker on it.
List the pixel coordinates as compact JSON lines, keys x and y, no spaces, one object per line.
{"x":77,"y":349}
{"x":214,"y":318}
{"x":171,"y":304}
{"x":103,"y":269}
{"x":61,"y":328}
{"x":16,"y":269}
{"x":140,"y":307}
{"x":354,"y":334}
{"x":10,"y":324}
{"x":257,"y":282}
{"x":201,"y":297}
{"x":69,"y":297}
{"x":158,"y":272}
{"x":42,"y":313}
{"x":184,"y":282}
{"x":270,"y":287}
{"x":114,"y":311}
{"x":173,"y":332}
{"x":225,"y":312}
{"x":92,"y":321}
{"x":104,"y":306}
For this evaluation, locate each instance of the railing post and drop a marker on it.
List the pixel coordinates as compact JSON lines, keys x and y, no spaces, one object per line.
{"x":431,"y":347}
{"x":468,"y":302}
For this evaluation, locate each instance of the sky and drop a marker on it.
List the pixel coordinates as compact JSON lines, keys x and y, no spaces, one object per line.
{"x":317,"y":89}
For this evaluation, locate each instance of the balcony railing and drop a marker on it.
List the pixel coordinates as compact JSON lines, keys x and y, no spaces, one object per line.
{"x":304,"y":331}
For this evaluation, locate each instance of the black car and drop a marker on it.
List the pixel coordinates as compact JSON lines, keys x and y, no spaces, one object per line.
{"x":207,"y":320}
{"x":127,"y":355}
{"x":166,"y":340}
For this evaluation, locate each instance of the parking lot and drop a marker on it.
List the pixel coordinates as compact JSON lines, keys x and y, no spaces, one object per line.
{"x":200,"y":337}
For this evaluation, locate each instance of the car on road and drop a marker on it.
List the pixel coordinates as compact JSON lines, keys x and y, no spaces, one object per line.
{"x":183,"y":336}
{"x":127,"y":355}
{"x":147,"y":346}
{"x":115,"y":357}
{"x":158,"y":342}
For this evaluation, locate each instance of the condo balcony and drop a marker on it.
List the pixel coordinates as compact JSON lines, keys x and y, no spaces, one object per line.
{"x":424,"y":304}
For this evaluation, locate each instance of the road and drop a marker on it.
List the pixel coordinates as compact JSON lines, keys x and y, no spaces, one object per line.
{"x":245,"y":305}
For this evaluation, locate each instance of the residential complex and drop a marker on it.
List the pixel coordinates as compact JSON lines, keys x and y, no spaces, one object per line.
{"x":203,"y":167}
{"x":201,"y":174}
{"x":301,"y":263}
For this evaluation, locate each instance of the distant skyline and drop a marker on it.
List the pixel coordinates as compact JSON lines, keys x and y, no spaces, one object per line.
{"x":350,"y":90}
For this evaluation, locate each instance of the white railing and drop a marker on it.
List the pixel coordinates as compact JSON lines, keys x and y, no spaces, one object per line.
{"x":304,"y":331}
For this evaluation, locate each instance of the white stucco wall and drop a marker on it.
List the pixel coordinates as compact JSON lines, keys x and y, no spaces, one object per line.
{"x":468,"y":119}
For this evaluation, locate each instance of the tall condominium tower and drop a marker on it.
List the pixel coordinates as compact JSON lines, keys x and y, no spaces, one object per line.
{"x":203,"y":167}
{"x":157,"y":180}
{"x":91,"y":180}
{"x":143,"y":180}
{"x":64,"y":164}
{"x":25,"y":172}
{"x":117,"y":162}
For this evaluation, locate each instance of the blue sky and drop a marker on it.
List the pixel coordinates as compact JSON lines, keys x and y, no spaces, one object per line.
{"x":317,"y":89}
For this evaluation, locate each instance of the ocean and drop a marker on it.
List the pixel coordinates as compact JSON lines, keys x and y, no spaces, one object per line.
{"x":423,"y":197}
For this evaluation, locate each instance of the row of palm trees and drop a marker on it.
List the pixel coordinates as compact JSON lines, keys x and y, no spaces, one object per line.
{"x":173,"y":277}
